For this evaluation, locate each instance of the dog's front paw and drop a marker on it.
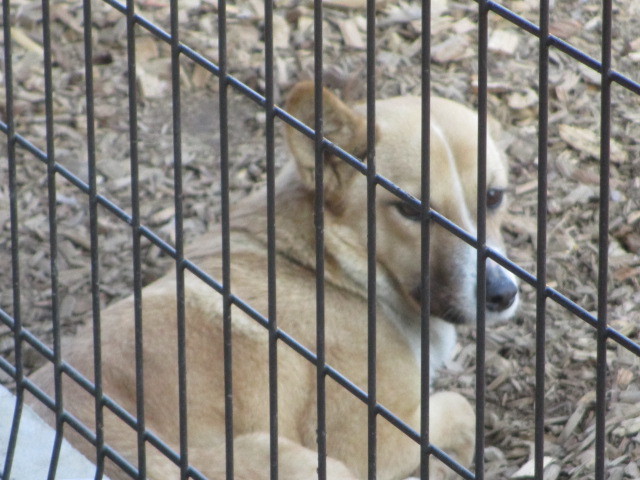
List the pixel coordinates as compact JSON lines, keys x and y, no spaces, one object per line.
{"x":452,"y":429}
{"x":438,"y":471}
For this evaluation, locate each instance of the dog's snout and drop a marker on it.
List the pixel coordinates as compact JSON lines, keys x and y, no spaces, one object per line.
{"x":501,"y":289}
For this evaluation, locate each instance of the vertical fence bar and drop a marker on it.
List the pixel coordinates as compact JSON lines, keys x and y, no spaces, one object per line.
{"x":603,"y":242}
{"x":93,"y":234}
{"x":541,"y":254}
{"x":13,"y":214}
{"x":177,"y":186}
{"x":226,"y":246}
{"x":483,"y":27}
{"x":319,"y":237}
{"x":271,"y":238}
{"x":425,"y":228}
{"x":53,"y":240}
{"x":135,"y":239}
{"x":371,"y":237}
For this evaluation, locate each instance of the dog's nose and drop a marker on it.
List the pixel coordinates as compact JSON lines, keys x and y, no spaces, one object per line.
{"x":501,"y":289}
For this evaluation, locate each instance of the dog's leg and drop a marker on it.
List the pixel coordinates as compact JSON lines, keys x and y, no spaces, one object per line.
{"x":452,"y":429}
{"x":295,"y":462}
{"x":251,"y":454}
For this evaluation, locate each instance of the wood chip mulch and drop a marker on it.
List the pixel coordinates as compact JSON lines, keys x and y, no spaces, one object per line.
{"x":573,"y":179}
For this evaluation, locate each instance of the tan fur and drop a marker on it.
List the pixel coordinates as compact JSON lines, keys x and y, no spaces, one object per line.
{"x":453,"y":190}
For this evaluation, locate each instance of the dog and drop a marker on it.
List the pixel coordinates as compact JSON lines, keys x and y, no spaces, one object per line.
{"x":452,"y":270}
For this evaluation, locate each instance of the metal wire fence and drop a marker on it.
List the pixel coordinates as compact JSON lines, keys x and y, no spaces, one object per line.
{"x":11,"y":315}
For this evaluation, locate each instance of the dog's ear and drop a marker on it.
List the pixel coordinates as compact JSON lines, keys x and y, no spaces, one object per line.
{"x":342,"y":126}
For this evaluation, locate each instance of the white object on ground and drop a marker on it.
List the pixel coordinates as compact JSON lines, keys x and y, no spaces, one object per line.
{"x":34,"y":447}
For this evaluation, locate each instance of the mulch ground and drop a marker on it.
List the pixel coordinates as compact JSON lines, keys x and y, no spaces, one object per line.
{"x":572,"y":252}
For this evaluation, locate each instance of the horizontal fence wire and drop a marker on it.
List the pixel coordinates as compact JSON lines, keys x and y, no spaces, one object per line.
{"x":598,"y":322}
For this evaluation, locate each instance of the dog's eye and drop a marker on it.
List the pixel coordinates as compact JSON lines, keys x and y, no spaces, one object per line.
{"x":408,"y":211}
{"x":495,"y":196}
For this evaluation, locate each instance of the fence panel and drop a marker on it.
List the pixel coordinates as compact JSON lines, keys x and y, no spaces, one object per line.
{"x":131,"y":129}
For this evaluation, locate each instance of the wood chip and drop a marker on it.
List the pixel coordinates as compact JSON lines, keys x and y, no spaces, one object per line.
{"x":624,"y":377}
{"x":565,"y":29}
{"x":400,"y":13}
{"x":352,"y":36}
{"x":281,"y":32}
{"x":625,"y":273}
{"x":571,"y":80}
{"x":590,"y":75}
{"x":581,"y":139}
{"x":520,"y":100}
{"x":530,"y":186}
{"x":346,"y":4}
{"x":22,"y":39}
{"x":150,"y":85}
{"x":588,"y":142}
{"x":452,"y":49}
{"x":63,"y":15}
{"x":464,"y":25}
{"x":504,"y":41}
{"x":80,"y":240}
{"x":580,"y":195}
{"x":201,"y":78}
{"x":146,"y":49}
{"x":627,"y":428}
{"x":528,"y":469}
{"x":492,"y":86}
{"x":162,"y":216}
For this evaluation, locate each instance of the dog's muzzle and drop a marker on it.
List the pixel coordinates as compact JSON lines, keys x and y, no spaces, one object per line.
{"x":458,"y":306}
{"x":501,"y":289}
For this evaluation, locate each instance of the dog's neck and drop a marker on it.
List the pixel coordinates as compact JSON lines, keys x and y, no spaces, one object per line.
{"x":295,"y":233}
{"x":345,"y":260}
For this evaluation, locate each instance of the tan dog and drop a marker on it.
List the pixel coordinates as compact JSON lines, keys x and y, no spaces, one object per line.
{"x":452,"y":269}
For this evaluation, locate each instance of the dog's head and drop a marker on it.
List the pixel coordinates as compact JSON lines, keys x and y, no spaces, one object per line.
{"x":453,"y":193}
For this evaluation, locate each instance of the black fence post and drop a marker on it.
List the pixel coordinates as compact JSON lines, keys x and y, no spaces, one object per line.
{"x":15,"y":238}
{"x":541,"y":243}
